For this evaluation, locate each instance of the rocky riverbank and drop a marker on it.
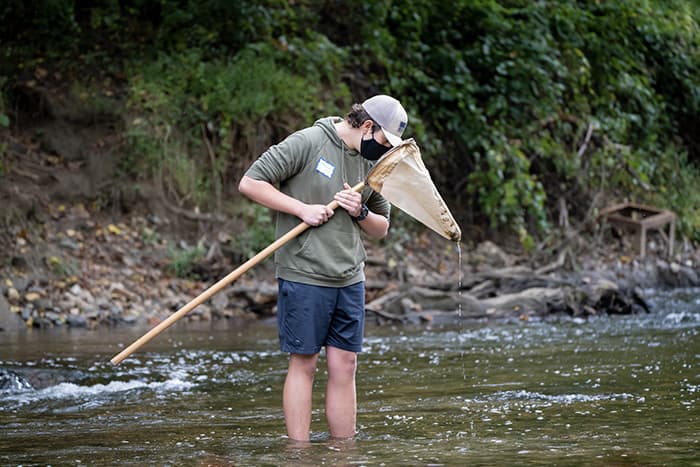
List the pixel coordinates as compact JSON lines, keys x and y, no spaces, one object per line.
{"x":81,"y":269}
{"x":76,"y":270}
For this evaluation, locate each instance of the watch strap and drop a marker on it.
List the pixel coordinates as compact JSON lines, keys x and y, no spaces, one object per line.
{"x":364,"y":212}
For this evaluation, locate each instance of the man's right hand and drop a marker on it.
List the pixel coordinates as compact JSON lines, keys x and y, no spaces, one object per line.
{"x":268,"y":195}
{"x":315,"y":214}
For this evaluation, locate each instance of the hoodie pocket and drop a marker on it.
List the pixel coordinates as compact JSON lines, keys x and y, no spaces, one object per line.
{"x":331,"y":253}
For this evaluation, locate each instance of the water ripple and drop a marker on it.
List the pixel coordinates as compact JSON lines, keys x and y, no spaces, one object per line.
{"x":65,"y":391}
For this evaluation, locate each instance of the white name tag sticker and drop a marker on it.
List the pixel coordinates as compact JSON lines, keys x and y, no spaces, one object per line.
{"x":324,"y":167}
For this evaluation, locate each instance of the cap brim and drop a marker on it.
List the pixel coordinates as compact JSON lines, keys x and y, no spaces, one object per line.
{"x":392,"y":138}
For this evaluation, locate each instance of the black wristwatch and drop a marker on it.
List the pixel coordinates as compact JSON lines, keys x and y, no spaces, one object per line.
{"x":364,"y":212}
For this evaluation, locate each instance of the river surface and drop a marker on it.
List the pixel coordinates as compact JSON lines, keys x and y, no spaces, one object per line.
{"x":614,"y":390}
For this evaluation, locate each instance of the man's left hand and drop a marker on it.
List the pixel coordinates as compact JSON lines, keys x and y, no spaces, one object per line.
{"x":349,"y":200}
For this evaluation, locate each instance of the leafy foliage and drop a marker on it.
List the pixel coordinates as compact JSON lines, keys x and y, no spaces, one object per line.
{"x":519,"y":107}
{"x":183,"y":259}
{"x":199,"y":117}
{"x":512,"y":87}
{"x":260,"y":234}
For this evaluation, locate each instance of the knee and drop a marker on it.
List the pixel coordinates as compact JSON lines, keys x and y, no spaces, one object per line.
{"x":304,"y":365}
{"x":343,"y":365}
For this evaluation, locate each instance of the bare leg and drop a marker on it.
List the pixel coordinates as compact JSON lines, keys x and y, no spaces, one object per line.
{"x":297,"y":397}
{"x":341,"y":399}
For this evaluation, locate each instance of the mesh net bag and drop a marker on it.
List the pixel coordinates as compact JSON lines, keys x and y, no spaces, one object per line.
{"x":402,"y":178}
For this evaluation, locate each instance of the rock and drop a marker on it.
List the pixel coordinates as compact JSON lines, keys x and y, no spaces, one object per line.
{"x":20,"y":262}
{"x":128,"y":319}
{"x":21,"y":283}
{"x":13,"y":294}
{"x":12,"y":382}
{"x":69,"y":244}
{"x":220,"y":301}
{"x":9,"y":321}
{"x":91,"y":313}
{"x":42,"y":322}
{"x":32,"y":296}
{"x":27,"y":313}
{"x":118,"y":288}
{"x":55,"y":318}
{"x":606,"y":284}
{"x":76,"y":321}
{"x":43,"y":304}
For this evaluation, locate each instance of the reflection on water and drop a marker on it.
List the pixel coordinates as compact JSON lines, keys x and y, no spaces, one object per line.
{"x":614,"y":390}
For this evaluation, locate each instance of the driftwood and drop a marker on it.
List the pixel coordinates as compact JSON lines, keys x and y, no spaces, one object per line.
{"x":509,"y":292}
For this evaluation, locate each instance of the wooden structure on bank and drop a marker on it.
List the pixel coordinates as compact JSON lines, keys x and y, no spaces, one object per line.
{"x":640,"y":219}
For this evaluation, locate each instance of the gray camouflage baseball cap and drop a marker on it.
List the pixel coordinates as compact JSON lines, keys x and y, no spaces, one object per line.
{"x":389,"y":114}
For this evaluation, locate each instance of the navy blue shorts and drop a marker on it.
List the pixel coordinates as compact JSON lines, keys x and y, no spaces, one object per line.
{"x":310,"y":317}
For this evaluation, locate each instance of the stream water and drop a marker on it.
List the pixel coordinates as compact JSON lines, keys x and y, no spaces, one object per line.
{"x":620,"y":390}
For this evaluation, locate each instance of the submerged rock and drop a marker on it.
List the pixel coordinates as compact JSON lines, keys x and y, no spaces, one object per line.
{"x":12,"y":382}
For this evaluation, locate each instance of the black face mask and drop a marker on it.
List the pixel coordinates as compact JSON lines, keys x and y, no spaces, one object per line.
{"x":371,"y":150}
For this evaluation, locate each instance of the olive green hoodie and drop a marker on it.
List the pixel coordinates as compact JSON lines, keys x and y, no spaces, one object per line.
{"x":311,"y":165}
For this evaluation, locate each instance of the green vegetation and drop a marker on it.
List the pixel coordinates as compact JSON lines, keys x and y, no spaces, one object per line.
{"x":182,"y":260}
{"x":258,"y":233}
{"x":513,"y":96}
{"x":519,"y":106}
{"x":200,"y":121}
{"x":60,"y":267}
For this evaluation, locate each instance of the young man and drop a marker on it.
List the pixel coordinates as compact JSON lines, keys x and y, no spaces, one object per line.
{"x":321,"y":273}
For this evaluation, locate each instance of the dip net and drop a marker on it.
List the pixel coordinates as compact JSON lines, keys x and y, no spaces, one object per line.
{"x":402,"y":178}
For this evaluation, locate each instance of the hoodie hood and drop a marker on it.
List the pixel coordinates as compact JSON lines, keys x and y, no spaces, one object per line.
{"x":327,"y":124}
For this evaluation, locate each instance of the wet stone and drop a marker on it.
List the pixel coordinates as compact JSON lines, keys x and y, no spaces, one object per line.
{"x":42,"y":322}
{"x":129,"y":319}
{"x":43,"y":304}
{"x":32,"y":296}
{"x":19,"y":262}
{"x":76,"y":321}
{"x":42,"y":280}
{"x":12,"y":294}
{"x":69,"y":244}
{"x":220,"y":301}
{"x":91,"y":313}
{"x":56,"y":319}
{"x":10,"y":381}
{"x":21,"y":283}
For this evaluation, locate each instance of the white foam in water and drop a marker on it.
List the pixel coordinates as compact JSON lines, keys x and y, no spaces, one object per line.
{"x":71,"y":390}
{"x":681,"y":317}
{"x":561,"y":398}
{"x":564,"y":399}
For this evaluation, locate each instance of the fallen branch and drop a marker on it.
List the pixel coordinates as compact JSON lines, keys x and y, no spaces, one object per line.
{"x":192,"y":215}
{"x":559,"y":263}
{"x":586,"y":140}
